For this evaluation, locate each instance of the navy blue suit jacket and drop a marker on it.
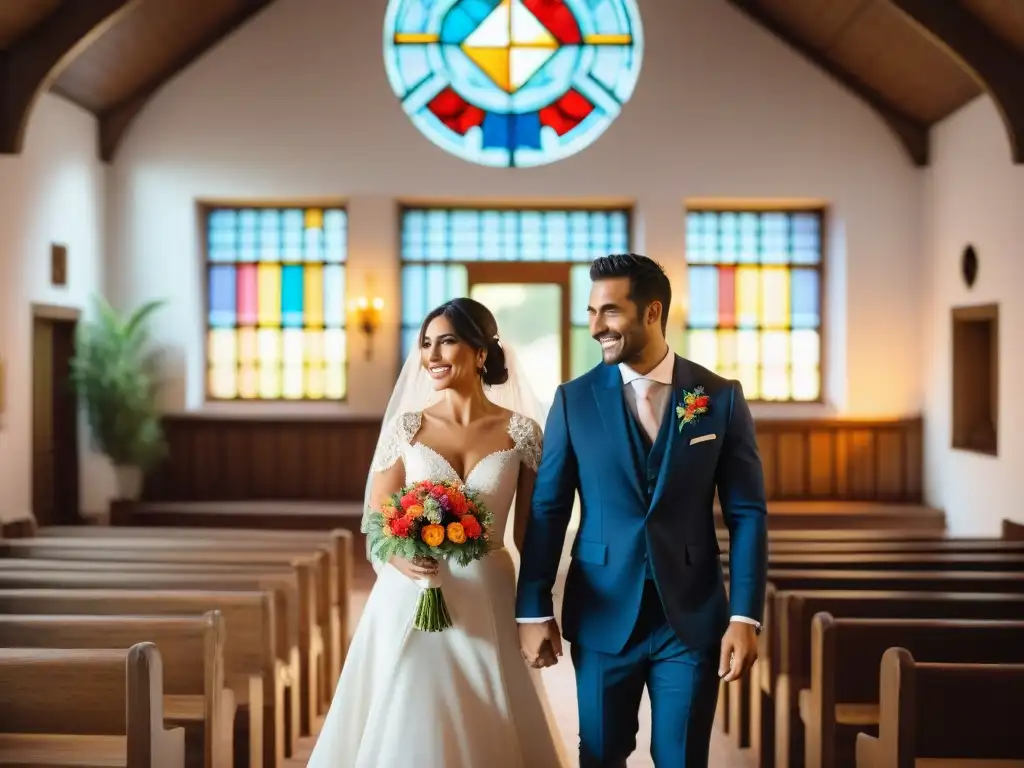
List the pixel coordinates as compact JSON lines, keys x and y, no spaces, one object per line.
{"x":628,"y":517}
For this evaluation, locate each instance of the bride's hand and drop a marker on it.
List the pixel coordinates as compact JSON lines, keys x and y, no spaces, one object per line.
{"x":415,"y":569}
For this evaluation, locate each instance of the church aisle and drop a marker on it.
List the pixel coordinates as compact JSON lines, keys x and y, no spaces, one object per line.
{"x":561,"y":687}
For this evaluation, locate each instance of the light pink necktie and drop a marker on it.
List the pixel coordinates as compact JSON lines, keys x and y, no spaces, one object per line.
{"x":645,"y":408}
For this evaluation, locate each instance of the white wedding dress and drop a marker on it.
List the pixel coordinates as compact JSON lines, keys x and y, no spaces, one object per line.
{"x":461,"y":698}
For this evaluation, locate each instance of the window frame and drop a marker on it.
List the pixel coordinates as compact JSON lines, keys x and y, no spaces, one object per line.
{"x":543,"y":269}
{"x":204,"y":208}
{"x":821,"y":212}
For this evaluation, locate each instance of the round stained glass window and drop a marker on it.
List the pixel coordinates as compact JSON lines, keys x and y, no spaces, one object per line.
{"x":513,"y":82}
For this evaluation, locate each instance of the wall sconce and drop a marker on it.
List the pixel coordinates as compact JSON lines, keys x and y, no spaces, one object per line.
{"x":367,"y":312}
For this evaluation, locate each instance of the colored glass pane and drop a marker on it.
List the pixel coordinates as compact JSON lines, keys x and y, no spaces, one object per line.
{"x":512,"y":82}
{"x":703,"y":297}
{"x":748,"y":294}
{"x":292,"y":291}
{"x":223,"y":293}
{"x":284,"y":285}
{"x":766,"y":265}
{"x":775,"y":297}
{"x":702,"y":348}
{"x":806,"y":291}
{"x":269,"y":294}
{"x":579,"y":291}
{"x":313,"y":294}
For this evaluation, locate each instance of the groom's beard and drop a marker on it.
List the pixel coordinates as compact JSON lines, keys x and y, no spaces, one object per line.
{"x":628,"y":346}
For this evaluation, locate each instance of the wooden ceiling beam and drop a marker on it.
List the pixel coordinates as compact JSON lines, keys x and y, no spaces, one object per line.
{"x":992,"y":62}
{"x":33,"y":62}
{"x":115,"y":121}
{"x":911,"y":133}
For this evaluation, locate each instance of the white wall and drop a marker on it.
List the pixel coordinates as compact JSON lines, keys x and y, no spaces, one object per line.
{"x":53,"y":191}
{"x":974,"y":195}
{"x":297,"y":105}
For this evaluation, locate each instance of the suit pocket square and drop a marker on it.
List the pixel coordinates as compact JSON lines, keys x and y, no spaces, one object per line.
{"x":702,"y":439}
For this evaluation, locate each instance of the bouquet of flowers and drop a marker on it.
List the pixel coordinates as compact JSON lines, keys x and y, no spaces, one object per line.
{"x":443,"y":521}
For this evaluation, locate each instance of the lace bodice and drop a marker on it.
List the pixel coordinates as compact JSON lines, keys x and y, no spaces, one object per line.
{"x":494,"y":477}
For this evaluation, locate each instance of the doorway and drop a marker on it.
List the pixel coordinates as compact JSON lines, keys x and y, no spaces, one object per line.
{"x":532,"y":310}
{"x":55,"y":473}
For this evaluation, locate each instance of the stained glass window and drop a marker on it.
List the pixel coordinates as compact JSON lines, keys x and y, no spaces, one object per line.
{"x":755,"y":295}
{"x":276,"y":303}
{"x":439,"y":243}
{"x":513,"y":82}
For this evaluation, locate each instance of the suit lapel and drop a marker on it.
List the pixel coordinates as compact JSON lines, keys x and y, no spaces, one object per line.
{"x":675,"y":449}
{"x":611,"y":404}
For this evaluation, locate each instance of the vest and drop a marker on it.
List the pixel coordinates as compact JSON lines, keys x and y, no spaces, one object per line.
{"x":648,"y":457}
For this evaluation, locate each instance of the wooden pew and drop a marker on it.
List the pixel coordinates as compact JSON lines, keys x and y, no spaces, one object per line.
{"x":842,"y":534}
{"x":963,"y":546}
{"x":85,"y":707}
{"x":311,"y":573}
{"x":945,"y":714}
{"x":329,"y":603}
{"x":192,"y":650}
{"x":777,"y":731}
{"x":843,"y":696}
{"x":743,"y":721}
{"x":897,"y":561}
{"x":287,"y":643}
{"x":1012,"y":530}
{"x":253,"y":669}
{"x":339,"y":541}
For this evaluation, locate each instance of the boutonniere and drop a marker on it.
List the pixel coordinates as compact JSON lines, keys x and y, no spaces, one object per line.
{"x":694,"y":405}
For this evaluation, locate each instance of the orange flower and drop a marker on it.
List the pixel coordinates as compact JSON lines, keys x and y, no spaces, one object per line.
{"x":388,"y":512}
{"x":433,"y":535}
{"x":415,"y":511}
{"x":456,"y":533}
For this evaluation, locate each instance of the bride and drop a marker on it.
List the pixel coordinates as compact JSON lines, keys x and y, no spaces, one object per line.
{"x":463,"y":697}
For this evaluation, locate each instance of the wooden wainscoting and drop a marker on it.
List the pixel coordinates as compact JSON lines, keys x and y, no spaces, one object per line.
{"x":842,"y":460}
{"x":234,"y":459}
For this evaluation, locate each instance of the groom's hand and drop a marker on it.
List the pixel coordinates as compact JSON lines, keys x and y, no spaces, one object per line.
{"x":540,"y":643}
{"x":739,"y":651}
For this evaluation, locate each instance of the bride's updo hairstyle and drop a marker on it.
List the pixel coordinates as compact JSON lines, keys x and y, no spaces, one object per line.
{"x":475,"y":325}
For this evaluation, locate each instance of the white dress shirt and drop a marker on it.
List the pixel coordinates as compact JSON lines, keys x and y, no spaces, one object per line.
{"x":659,"y":382}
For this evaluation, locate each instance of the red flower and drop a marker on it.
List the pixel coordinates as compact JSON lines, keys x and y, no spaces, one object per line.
{"x":701,"y":402}
{"x":410,"y":499}
{"x":400,"y":526}
{"x":471,"y":526}
{"x":458,"y":503}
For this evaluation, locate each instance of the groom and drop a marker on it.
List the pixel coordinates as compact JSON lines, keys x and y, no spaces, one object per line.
{"x":645,"y":439}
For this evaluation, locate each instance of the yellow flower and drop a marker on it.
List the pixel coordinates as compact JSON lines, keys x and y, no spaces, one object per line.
{"x":456,"y":533}
{"x":433,"y":535}
{"x":414,"y":512}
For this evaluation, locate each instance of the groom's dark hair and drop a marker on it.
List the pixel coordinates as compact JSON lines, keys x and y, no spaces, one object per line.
{"x":647,"y":280}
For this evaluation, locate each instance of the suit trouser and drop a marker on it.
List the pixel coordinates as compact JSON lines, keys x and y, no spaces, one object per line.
{"x":683,"y":687}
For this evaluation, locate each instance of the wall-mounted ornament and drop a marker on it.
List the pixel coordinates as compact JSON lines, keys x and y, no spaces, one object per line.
{"x":969,"y":265}
{"x":58,"y":265}
{"x":513,"y":83}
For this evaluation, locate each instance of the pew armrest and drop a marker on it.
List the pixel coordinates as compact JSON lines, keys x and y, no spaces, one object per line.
{"x":867,"y":751}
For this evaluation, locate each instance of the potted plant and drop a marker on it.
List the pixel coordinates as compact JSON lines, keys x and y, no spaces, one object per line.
{"x":114,"y":371}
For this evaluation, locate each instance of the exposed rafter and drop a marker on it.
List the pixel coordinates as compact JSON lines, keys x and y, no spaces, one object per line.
{"x":114,"y":122}
{"x":912,"y":134}
{"x":29,"y":66}
{"x":997,"y":67}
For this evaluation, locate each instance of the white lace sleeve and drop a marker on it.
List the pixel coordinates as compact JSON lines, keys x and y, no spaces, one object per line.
{"x":394,"y":439}
{"x":528,"y":438}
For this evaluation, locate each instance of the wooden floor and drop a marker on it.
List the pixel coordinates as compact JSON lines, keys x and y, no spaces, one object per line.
{"x":561,"y":688}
